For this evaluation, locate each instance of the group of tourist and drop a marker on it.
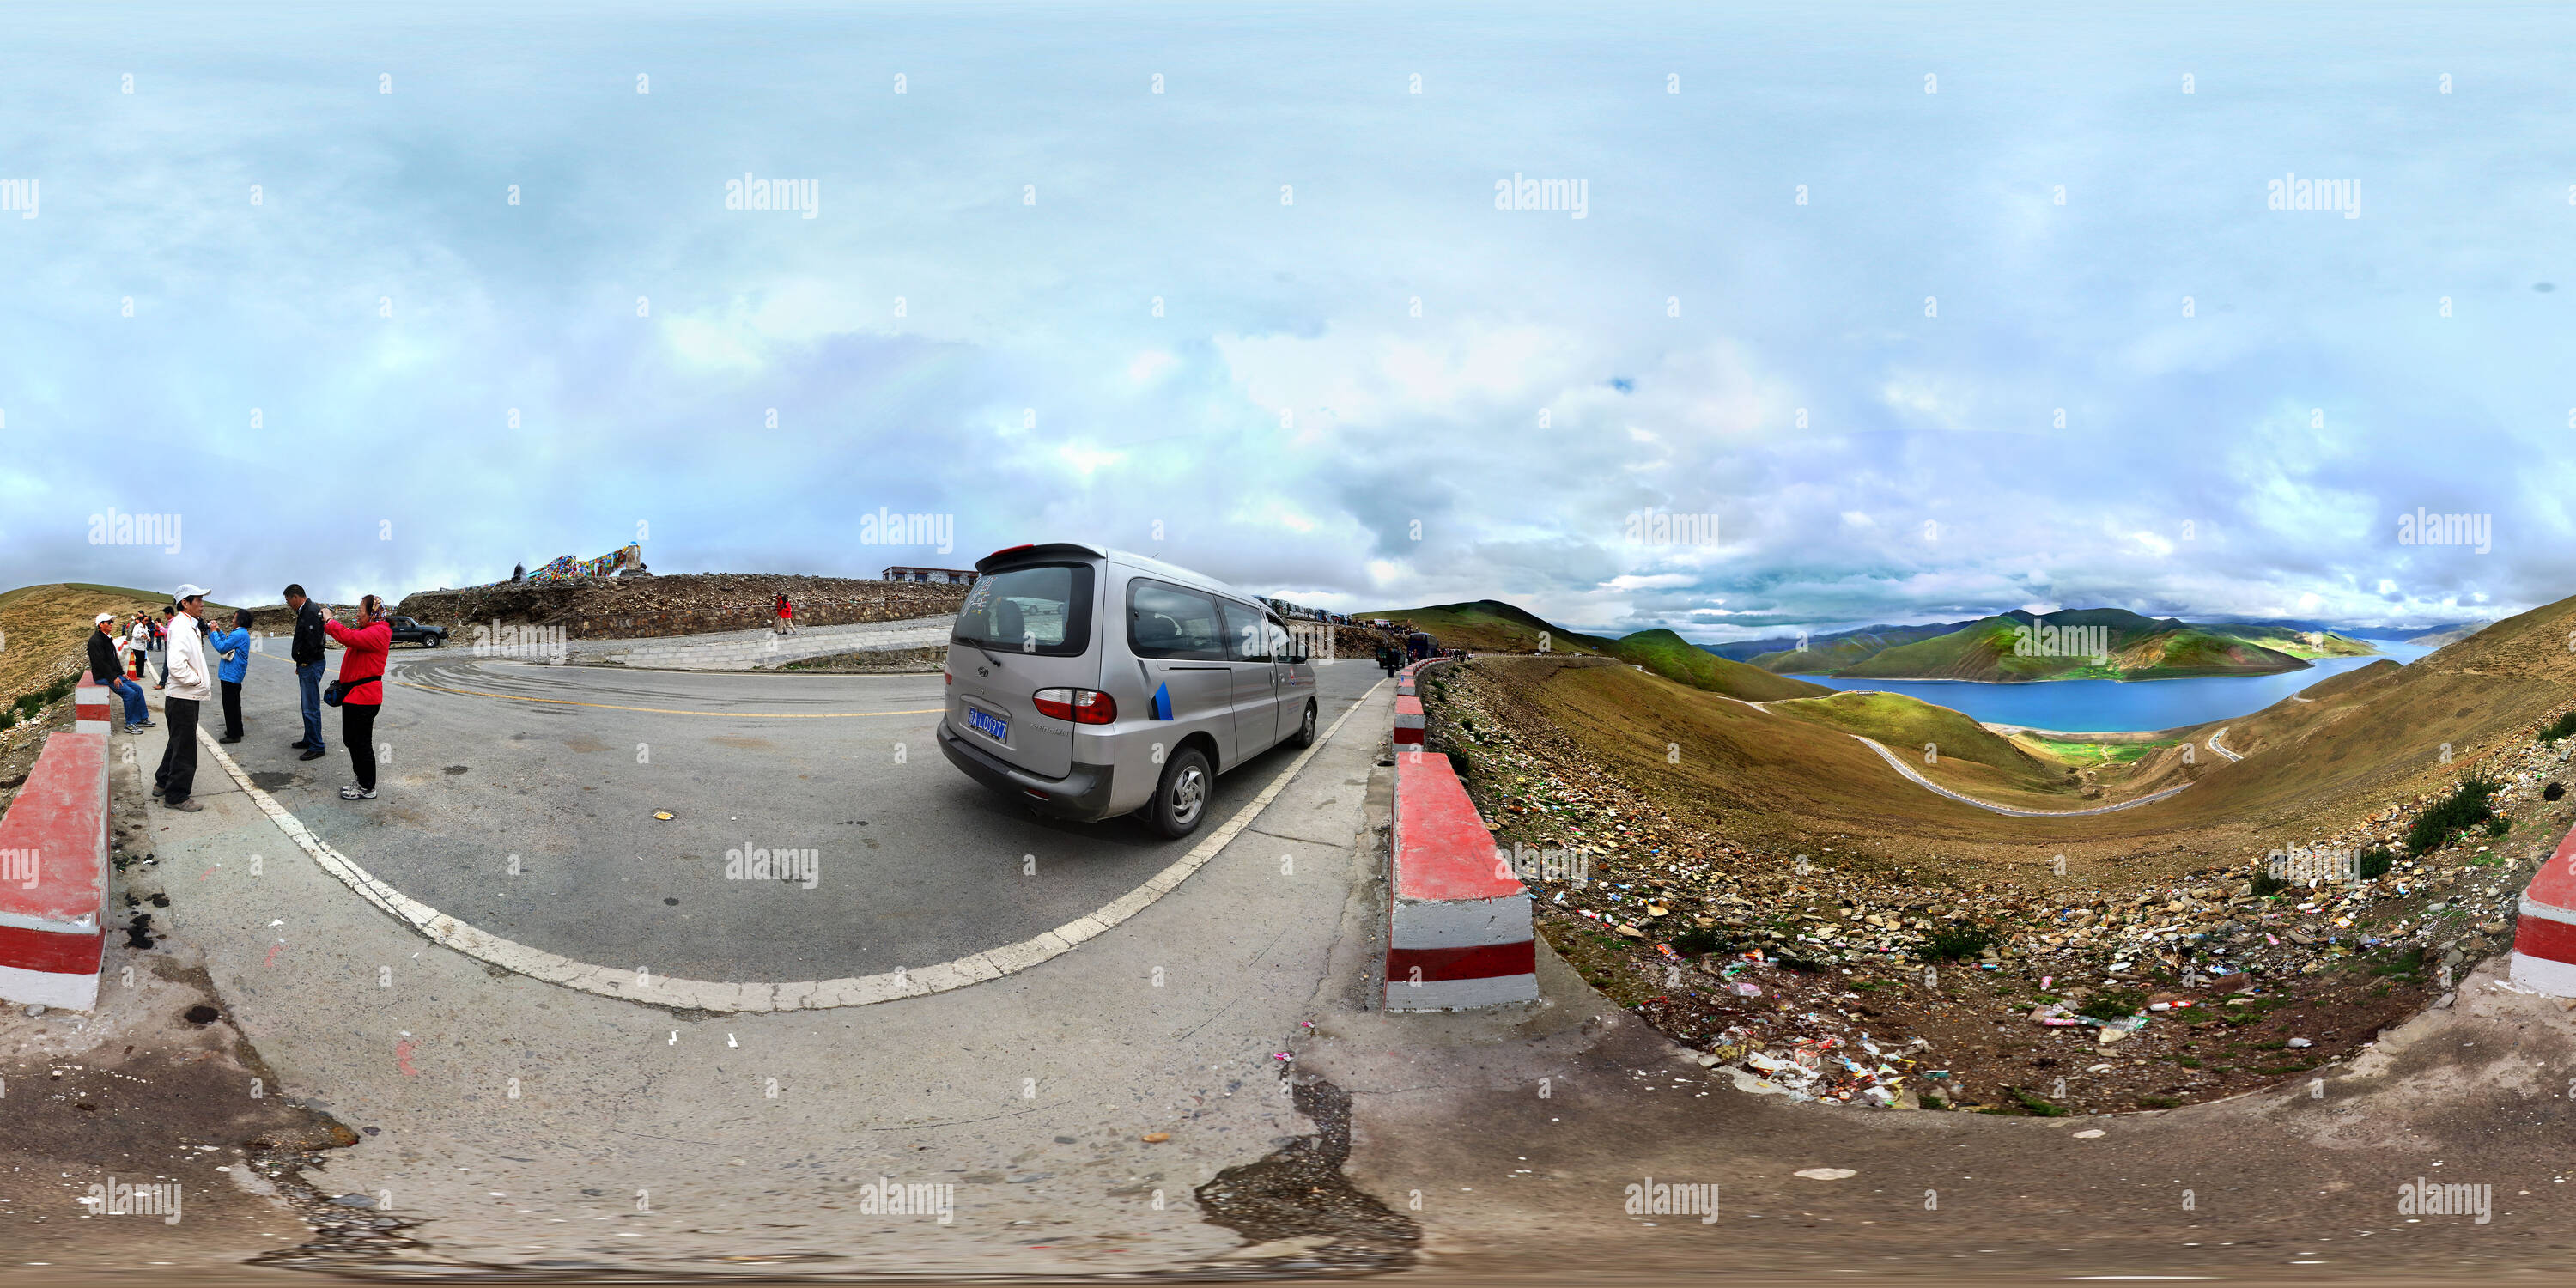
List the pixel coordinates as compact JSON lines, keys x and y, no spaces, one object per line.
{"x":186,"y":643}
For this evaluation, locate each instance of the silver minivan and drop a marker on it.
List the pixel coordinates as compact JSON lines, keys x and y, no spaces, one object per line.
{"x":1090,"y":683}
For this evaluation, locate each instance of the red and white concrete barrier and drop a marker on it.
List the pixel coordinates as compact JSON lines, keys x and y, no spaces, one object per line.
{"x":1408,"y":721}
{"x":1460,"y":923}
{"x":91,"y":704}
{"x":2544,"y":937}
{"x":54,"y":875}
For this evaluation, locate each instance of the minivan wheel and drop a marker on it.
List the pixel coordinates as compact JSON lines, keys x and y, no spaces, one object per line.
{"x":1305,"y":729}
{"x":1181,"y":799}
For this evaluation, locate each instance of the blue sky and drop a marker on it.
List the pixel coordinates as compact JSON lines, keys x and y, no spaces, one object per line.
{"x":1288,"y":420}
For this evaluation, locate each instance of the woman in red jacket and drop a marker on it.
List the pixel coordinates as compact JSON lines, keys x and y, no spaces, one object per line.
{"x":362,"y":669}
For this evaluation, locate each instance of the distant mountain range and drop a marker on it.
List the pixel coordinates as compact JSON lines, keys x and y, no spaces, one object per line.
{"x":2435,"y":635}
{"x":1492,"y":626}
{"x":2091,"y":643}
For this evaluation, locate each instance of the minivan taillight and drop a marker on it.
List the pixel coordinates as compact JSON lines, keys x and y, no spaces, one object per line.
{"x":1081,"y":706}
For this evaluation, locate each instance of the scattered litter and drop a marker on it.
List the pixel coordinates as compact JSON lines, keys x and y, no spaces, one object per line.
{"x":2301,"y":1043}
{"x":2089,"y":1133}
{"x":1155,"y":1137}
{"x":664,"y":815}
{"x":1826,"y":1173}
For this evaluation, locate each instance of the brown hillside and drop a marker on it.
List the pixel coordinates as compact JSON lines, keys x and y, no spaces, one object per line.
{"x":2360,"y":742}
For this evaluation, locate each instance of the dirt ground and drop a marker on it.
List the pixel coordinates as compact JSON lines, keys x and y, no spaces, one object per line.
{"x":156,"y":1087}
{"x":1820,"y":968}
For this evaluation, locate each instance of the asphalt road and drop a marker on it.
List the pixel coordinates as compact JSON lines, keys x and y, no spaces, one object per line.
{"x":559,"y":771}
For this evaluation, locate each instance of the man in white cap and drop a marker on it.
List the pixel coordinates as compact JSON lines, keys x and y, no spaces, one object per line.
{"x":191,"y":682}
{"x":107,"y":666}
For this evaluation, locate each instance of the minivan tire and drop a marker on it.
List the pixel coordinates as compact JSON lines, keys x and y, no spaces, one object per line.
{"x":1305,"y":735}
{"x":1181,"y":798}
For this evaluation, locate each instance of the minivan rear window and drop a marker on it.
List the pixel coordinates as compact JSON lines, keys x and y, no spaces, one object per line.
{"x":1041,"y":608}
{"x":1167,"y":621}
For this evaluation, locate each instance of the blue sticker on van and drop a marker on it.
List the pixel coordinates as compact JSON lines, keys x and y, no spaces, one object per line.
{"x":1163,"y":703}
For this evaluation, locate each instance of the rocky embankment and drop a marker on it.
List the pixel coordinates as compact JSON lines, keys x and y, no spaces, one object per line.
{"x":679,"y":604}
{"x":1847,"y":979}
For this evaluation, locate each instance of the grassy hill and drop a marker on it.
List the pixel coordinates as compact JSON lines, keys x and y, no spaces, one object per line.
{"x":2341,"y":750}
{"x":1908,"y":725}
{"x":1675,"y":658}
{"x":2448,"y":636}
{"x":2136,"y":647}
{"x":2297,"y":643}
{"x":46,"y":628}
{"x":1492,"y":626}
{"x":1826,"y":654}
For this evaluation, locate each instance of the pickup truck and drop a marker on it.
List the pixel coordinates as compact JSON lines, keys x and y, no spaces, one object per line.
{"x":405,"y":629}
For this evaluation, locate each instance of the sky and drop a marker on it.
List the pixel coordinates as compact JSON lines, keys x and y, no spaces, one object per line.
{"x":1930,"y":310}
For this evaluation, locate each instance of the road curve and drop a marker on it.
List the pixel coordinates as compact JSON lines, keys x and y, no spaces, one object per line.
{"x":2213,"y":746}
{"x":1909,"y":771}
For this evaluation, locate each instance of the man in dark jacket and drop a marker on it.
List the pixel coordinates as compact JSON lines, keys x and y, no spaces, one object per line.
{"x":109,"y":669}
{"x":306,"y":653}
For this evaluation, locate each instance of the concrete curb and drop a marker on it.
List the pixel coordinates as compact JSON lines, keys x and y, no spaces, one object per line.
{"x":2544,"y":936}
{"x":640,"y":985}
{"x":1458,"y":920}
{"x":54,"y":877}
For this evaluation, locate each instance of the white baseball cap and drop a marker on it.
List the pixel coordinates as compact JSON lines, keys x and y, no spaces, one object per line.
{"x":187,"y":592}
{"x":104,"y":618}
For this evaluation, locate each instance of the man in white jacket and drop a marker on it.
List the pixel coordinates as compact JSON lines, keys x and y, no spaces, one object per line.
{"x":191,"y":682}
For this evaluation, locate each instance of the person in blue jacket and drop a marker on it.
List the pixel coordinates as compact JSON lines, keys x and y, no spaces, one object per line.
{"x":233,"y":647}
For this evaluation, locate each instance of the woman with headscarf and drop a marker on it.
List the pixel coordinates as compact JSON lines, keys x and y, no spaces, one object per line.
{"x":362,"y":689}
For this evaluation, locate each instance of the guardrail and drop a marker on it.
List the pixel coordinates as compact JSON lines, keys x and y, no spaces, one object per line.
{"x":54,"y":876}
{"x":1459,"y":933}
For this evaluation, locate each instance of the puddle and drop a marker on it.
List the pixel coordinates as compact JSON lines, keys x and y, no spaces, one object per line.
{"x":1299,"y":1193}
{"x":269,"y":780}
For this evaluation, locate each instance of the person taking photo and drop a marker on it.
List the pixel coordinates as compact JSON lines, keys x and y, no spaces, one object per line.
{"x":362,"y":690}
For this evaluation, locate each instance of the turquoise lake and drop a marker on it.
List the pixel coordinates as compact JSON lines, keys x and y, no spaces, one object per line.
{"x":2099,"y":706}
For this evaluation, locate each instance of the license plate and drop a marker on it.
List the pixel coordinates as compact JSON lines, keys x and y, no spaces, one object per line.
{"x":993,"y":727}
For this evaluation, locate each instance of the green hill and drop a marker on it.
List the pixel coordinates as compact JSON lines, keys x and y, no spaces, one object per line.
{"x":1907,"y":725}
{"x":2093,"y":643}
{"x":1836,"y":652}
{"x":1675,"y":658}
{"x":1491,"y":626}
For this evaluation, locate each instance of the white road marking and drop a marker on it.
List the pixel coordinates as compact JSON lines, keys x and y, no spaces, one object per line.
{"x":822,"y":994}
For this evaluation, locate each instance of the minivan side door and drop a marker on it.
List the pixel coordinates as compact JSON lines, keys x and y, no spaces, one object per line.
{"x":1256,"y":695}
{"x":1290,"y":688}
{"x":1180,"y":642}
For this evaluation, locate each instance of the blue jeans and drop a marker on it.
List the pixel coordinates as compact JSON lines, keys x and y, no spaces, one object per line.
{"x":135,"y":712}
{"x":308,"y":680}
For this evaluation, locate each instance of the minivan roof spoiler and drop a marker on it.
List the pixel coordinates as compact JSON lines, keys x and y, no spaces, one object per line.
{"x":1037,"y":554}
{"x":1055,"y":551}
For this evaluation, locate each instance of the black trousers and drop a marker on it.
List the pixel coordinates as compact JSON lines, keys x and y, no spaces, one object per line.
{"x":177,"y":777}
{"x":232,"y":708}
{"x":358,"y":729}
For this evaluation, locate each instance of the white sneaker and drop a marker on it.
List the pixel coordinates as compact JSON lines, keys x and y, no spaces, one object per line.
{"x":353,"y":792}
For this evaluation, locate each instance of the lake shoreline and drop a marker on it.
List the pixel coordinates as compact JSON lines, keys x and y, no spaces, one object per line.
{"x":2118,"y":711}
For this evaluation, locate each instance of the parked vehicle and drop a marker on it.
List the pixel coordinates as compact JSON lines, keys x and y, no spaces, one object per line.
{"x":405,"y":629}
{"x":1091,"y":683}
